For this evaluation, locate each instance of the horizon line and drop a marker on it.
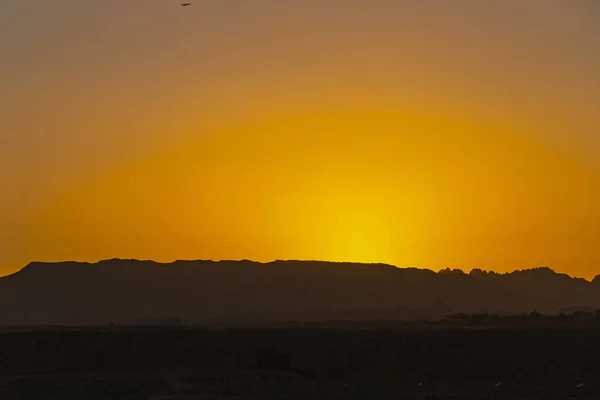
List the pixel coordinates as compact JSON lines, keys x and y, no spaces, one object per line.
{"x":438,"y":272}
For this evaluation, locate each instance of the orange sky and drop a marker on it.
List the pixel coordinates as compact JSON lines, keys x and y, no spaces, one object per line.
{"x":433,"y":134}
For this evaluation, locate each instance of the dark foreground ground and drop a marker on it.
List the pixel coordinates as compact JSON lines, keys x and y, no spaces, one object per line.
{"x":300,"y":363}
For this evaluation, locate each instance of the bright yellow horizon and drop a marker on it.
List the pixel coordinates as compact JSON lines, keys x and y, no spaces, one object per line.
{"x":349,"y":186}
{"x":462,"y":137}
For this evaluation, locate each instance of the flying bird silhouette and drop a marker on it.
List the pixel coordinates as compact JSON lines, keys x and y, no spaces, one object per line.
{"x":185,"y":4}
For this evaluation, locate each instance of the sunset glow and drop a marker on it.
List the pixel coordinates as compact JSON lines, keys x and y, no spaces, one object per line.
{"x":393,"y":133}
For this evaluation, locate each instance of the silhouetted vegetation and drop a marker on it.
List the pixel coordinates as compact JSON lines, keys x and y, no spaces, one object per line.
{"x":534,"y":319}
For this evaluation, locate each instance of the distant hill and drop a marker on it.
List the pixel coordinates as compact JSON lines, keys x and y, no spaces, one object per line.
{"x":130,"y":291}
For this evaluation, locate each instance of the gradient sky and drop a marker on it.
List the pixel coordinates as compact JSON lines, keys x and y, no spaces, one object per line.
{"x":435,"y":134}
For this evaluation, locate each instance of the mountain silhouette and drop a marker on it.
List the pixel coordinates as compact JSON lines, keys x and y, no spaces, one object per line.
{"x":196,"y":292}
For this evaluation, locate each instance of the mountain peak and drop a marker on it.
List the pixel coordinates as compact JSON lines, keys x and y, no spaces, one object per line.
{"x":448,"y":271}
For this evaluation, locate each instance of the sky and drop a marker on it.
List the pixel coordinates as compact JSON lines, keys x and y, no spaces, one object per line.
{"x":434,"y":134}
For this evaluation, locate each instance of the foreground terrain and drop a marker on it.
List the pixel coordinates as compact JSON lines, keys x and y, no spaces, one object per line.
{"x":299,"y":363}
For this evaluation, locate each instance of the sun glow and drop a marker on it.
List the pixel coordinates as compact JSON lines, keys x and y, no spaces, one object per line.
{"x":365,"y":185}
{"x":458,"y":136}
{"x":355,"y":186}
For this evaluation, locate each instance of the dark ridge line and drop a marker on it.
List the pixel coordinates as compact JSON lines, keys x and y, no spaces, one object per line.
{"x":475,"y":272}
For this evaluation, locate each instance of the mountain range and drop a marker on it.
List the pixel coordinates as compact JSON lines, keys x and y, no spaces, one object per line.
{"x":196,"y":292}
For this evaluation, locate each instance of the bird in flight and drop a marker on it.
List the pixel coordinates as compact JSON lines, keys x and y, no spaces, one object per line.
{"x":185,"y":4}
